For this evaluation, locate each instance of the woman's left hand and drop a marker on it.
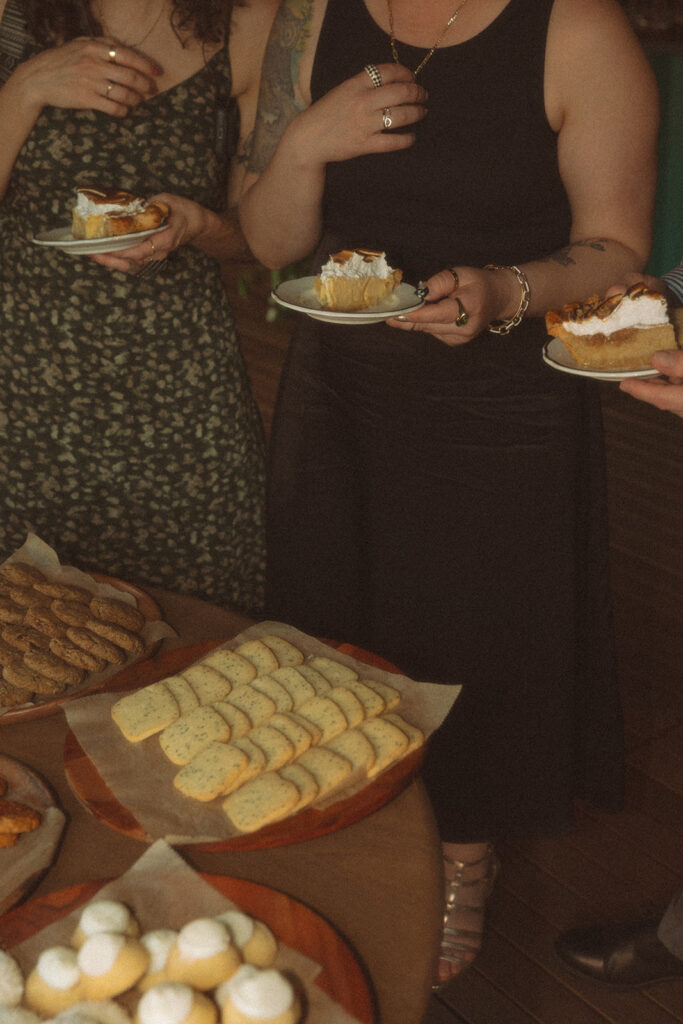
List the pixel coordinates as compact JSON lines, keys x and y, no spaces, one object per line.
{"x":185,"y":222}
{"x":461,"y":303}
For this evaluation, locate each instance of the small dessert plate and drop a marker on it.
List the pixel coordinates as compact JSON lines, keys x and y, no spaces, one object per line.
{"x":61,"y":238}
{"x":299,"y":295}
{"x":556,"y":355}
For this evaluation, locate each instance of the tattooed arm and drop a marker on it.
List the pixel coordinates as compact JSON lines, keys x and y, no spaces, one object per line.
{"x":294,"y":140}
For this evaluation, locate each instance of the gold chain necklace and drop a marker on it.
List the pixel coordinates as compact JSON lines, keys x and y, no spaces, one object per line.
{"x":430,"y":53}
{"x":147,"y":34}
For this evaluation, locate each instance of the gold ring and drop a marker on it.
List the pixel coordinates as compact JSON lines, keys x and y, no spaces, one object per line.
{"x":375,"y":75}
{"x":154,"y":248}
{"x":111,"y":53}
{"x":386,"y":117}
{"x":110,"y":86}
{"x":463,"y":316}
{"x":453,"y":271}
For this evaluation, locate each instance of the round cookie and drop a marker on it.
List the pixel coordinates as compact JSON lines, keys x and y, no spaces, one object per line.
{"x":255,"y":995}
{"x":104,"y":916}
{"x":12,"y":696}
{"x":123,"y":614}
{"x":28,"y":679}
{"x":54,"y":668}
{"x":158,"y":944}
{"x":96,"y":645}
{"x":23,"y":638}
{"x":253,"y":938}
{"x":27,"y":597}
{"x":73,"y":613}
{"x":54,"y":984}
{"x":173,"y":1003}
{"x":67,"y":650}
{"x":203,"y":955}
{"x":118,"y":635}
{"x":110,"y":964}
{"x":64,"y":591}
{"x":45,"y":621}
{"x":21,"y":572}
{"x":10,"y":655}
{"x":10,"y":611}
{"x":11,"y":981}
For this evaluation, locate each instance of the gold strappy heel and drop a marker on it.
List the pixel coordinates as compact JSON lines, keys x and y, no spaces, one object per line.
{"x":459,"y":946}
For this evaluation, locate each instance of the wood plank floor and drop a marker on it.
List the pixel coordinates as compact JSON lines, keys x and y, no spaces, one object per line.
{"x":611,"y":867}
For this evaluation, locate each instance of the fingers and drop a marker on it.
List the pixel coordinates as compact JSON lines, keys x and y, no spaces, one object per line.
{"x":121,"y":56}
{"x":662,"y":394}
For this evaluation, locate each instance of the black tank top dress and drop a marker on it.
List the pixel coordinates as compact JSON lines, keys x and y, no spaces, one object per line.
{"x":445,"y":507}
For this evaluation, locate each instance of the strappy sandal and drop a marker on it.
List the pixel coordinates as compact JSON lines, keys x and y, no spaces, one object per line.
{"x":459,"y":946}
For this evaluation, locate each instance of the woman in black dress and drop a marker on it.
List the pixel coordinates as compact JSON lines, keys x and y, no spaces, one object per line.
{"x":436,"y":491}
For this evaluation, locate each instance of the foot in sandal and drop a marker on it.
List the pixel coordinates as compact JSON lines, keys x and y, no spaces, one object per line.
{"x":470,"y":872}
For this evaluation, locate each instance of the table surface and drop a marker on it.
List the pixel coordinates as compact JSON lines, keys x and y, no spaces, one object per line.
{"x":377,"y":881}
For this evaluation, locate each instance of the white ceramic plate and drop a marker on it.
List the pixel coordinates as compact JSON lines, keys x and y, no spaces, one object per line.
{"x":556,"y":355}
{"x":61,"y":238}
{"x":300,"y":296}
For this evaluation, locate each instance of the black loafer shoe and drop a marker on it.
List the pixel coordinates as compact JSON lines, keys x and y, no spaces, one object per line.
{"x":624,"y":956}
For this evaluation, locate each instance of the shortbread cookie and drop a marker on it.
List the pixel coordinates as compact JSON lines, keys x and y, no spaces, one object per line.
{"x":349,"y":703}
{"x":356,"y":748}
{"x":28,"y":679}
{"x":285,"y":652}
{"x":373,"y":703}
{"x":261,"y":801}
{"x":389,"y":743}
{"x":54,"y":984}
{"x":296,"y":684}
{"x":207,"y":683}
{"x":213,"y":771}
{"x":24,"y":638}
{"x":145,"y":712}
{"x":389,"y":694}
{"x":203,"y":955}
{"x":315,"y":678}
{"x":334,"y":671}
{"x":50,"y":665}
{"x":21,"y":572}
{"x":329,"y":769}
{"x":11,"y":981}
{"x":304,"y":782}
{"x":294,"y":729}
{"x":64,"y":591}
{"x":324,"y":713}
{"x":256,"y":705}
{"x":238,"y":722}
{"x":233,"y":666}
{"x":260,"y":655}
{"x":97,"y":645}
{"x":9,"y":611}
{"x":190,"y":734}
{"x":276,"y":691}
{"x":45,"y":621}
{"x":184,"y":694}
{"x":415,"y":735}
{"x":119,"y":635}
{"x":274,"y":744}
{"x":74,"y":613}
{"x":75,"y":655}
{"x":120,"y":612}
{"x":255,"y":762}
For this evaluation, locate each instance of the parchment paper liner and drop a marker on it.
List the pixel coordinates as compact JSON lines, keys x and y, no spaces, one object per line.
{"x":39,"y":554}
{"x":33,"y":851}
{"x":141,"y":776}
{"x":165,"y":892}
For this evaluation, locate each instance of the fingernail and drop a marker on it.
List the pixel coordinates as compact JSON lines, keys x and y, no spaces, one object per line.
{"x":664,"y":358}
{"x":403,"y":319}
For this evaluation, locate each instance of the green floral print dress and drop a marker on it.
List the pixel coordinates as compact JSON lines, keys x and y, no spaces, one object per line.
{"x":129,"y":438}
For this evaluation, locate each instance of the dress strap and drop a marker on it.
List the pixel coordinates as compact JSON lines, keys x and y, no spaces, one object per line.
{"x":13,"y":39}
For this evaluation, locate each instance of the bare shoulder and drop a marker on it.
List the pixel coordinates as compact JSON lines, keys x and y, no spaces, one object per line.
{"x":593,"y":51}
{"x":3,"y":4}
{"x":250,"y":26}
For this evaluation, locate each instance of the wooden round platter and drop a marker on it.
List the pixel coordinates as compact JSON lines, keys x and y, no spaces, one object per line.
{"x":342,"y":978}
{"x":152,"y":613}
{"x":91,"y":790}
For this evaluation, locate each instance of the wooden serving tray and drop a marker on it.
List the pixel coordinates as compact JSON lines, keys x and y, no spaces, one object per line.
{"x":91,"y":790}
{"x":342,"y":978}
{"x":147,"y":606}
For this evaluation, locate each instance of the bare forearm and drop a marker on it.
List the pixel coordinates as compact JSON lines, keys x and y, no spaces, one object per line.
{"x":18,"y":114}
{"x":220,"y":235}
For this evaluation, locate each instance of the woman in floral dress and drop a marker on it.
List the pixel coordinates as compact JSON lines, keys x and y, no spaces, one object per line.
{"x":129,"y":438}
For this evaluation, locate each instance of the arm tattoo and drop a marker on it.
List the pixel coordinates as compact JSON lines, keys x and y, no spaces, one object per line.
{"x":564,"y":256}
{"x":278,"y":103}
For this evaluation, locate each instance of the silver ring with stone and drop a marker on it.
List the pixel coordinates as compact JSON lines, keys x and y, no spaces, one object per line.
{"x":111,"y":54}
{"x":374,"y":73}
{"x":386,"y":117}
{"x":463,"y":316}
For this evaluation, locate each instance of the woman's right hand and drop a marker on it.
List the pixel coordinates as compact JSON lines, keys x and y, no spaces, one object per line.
{"x":349,"y":120}
{"x":81,"y":75}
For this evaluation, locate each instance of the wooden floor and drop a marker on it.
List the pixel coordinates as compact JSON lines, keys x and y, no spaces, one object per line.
{"x":612,"y":867}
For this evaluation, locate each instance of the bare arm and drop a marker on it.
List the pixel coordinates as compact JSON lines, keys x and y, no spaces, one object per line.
{"x":601,"y":98}
{"x":281,"y":206}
